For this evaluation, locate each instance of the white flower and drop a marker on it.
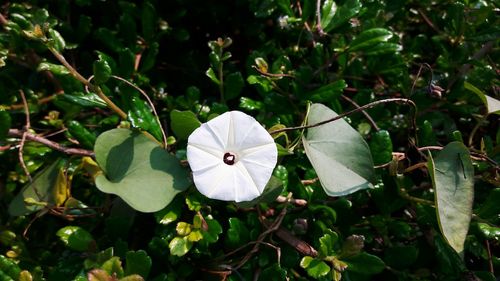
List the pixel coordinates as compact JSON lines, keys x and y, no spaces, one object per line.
{"x":232,"y":157}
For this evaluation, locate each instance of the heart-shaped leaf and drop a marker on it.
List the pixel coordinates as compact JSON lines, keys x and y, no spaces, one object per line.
{"x":138,"y":170}
{"x":453,"y":180}
{"x":338,"y":153}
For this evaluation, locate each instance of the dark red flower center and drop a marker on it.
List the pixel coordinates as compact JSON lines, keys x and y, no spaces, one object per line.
{"x":229,"y":158}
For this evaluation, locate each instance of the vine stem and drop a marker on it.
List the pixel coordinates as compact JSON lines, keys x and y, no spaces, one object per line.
{"x":49,"y":143}
{"x":361,"y":108}
{"x":87,"y":83}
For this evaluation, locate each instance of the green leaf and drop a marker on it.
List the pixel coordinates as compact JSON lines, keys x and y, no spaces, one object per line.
{"x":327,"y":12}
{"x":212,"y":234}
{"x":490,"y":208}
{"x":452,"y":176}
{"x":138,"y":263}
{"x":183,"y":123}
{"x":250,"y":104}
{"x":5,"y":124}
{"x":327,"y":243}
{"x":273,"y":273}
{"x":315,"y":268}
{"x":233,"y":84}
{"x":102,"y":71}
{"x":179,"y":246}
{"x":149,"y":21}
{"x":401,"y":257}
{"x":489,"y":231}
{"x":57,"y":41}
{"x":381,"y":147}
{"x":129,"y":159}
{"x":492,"y":105}
{"x":365,"y":263}
{"x":41,"y":189}
{"x":170,"y":213}
{"x":113,"y":266}
{"x":85,"y":100}
{"x":341,"y":14}
{"x":211,"y":74}
{"x":140,"y":116}
{"x":328,"y":92}
{"x":338,"y":153}
{"x":237,"y":234}
{"x":76,"y":238}
{"x":54,"y":68}
{"x":369,"y":38}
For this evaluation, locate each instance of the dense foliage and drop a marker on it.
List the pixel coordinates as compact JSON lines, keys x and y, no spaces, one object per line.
{"x":98,"y":99}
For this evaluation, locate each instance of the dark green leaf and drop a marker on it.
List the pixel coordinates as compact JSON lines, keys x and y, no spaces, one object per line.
{"x":381,"y":147}
{"x":85,"y":100}
{"x":76,"y":238}
{"x":341,"y":15}
{"x":102,"y":71}
{"x":369,"y":38}
{"x":365,"y":263}
{"x":5,"y":123}
{"x":183,"y":123}
{"x":138,"y":263}
{"x":328,"y":92}
{"x":233,"y":84}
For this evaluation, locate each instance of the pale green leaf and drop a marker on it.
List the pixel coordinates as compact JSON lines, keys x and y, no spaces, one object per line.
{"x":452,"y":176}
{"x":338,"y":153}
{"x":135,"y":168}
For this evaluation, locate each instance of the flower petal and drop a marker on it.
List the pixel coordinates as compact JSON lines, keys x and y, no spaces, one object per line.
{"x":256,"y":157}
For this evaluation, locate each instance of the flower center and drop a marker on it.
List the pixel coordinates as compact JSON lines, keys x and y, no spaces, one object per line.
{"x":229,"y":158}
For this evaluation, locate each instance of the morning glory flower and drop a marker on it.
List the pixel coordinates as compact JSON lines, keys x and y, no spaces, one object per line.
{"x":232,"y":157}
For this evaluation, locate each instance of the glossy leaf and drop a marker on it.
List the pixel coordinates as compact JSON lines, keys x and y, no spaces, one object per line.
{"x":128,"y":159}
{"x":179,"y":246}
{"x":328,"y":92}
{"x":341,"y":14}
{"x":237,"y":234}
{"x":76,"y":238}
{"x":452,"y":176}
{"x":183,"y":123}
{"x":102,"y":71}
{"x":381,"y":147}
{"x":85,"y":100}
{"x":314,"y":267}
{"x":54,"y":68}
{"x":338,"y":153}
{"x":369,"y":38}
{"x":140,"y":116}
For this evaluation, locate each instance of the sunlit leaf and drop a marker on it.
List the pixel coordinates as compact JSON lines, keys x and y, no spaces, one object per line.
{"x":338,"y":153}
{"x":129,"y":159}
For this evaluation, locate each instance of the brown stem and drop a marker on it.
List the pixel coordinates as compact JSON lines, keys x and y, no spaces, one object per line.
{"x":367,"y":116}
{"x":87,"y":83}
{"x":361,"y":108}
{"x":54,"y":145}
